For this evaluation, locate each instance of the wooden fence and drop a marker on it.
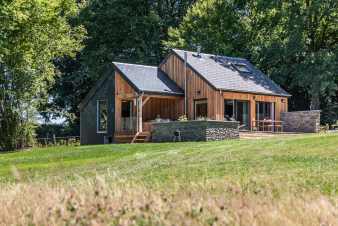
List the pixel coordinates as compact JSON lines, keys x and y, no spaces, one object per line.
{"x":58,"y":141}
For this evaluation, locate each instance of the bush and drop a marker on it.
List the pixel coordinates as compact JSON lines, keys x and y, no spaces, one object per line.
{"x":15,"y":132}
{"x":10,"y":129}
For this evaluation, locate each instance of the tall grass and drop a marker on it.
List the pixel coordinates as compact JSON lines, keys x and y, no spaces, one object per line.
{"x":97,"y":202}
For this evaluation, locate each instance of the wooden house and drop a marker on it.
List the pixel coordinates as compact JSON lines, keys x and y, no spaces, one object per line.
{"x":129,"y":98}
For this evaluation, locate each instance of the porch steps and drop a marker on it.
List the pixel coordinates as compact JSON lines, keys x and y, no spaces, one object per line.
{"x":132,"y":138}
{"x":141,"y":137}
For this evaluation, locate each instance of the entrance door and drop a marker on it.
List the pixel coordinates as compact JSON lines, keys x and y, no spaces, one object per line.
{"x":127,"y":109}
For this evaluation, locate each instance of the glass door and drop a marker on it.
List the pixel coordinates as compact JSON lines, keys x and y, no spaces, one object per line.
{"x":127,"y":109}
{"x":242,"y":114}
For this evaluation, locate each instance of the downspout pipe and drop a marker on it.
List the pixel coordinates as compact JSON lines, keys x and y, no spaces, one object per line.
{"x":185,"y":85}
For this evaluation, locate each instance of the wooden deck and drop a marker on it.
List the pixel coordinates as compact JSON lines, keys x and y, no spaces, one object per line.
{"x":264,"y":135}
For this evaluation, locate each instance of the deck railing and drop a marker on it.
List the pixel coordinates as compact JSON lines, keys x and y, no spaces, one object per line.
{"x":128,"y":124}
{"x":57,"y":141}
{"x":267,"y":125}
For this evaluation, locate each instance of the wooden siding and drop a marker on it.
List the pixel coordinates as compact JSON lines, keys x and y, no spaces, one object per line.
{"x":198,"y":88}
{"x":123,"y":91}
{"x":167,"y":107}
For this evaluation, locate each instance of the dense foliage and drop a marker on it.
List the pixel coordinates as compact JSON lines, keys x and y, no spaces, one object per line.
{"x":32,"y":34}
{"x":295,"y":42}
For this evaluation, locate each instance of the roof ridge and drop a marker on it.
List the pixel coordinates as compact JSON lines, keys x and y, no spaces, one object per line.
{"x":211,"y":54}
{"x":142,"y":65}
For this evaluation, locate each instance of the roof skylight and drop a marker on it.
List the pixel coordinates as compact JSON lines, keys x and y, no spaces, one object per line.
{"x":242,"y":68}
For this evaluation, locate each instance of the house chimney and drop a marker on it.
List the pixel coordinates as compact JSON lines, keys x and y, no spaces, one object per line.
{"x":199,"y":50}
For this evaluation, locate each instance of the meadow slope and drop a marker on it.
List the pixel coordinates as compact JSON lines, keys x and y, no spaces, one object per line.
{"x":277,"y":181}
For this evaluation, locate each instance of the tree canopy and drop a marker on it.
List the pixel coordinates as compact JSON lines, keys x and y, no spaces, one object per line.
{"x":32,"y":35}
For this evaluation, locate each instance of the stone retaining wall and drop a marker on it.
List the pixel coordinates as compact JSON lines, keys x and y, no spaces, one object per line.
{"x":301,"y":121}
{"x":195,"y":131}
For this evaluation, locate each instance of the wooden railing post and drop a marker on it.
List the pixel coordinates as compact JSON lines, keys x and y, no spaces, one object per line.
{"x":139,"y":113}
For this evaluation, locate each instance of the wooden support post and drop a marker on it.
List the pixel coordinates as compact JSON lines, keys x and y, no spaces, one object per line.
{"x":252,"y":113}
{"x":139,"y":113}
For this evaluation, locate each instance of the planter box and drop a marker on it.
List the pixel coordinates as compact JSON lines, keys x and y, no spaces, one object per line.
{"x":195,"y":131}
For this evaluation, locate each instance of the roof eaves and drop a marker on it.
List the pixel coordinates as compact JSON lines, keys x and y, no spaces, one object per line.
{"x":258,"y":93}
{"x":162,"y":93}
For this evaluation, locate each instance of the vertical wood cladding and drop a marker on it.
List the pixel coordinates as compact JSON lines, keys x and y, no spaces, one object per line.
{"x":163,"y":107}
{"x":198,"y":88}
{"x":123,"y":91}
{"x":167,"y":107}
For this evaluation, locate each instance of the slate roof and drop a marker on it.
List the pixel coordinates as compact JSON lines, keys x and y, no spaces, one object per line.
{"x":148,"y":79}
{"x":221,"y":73}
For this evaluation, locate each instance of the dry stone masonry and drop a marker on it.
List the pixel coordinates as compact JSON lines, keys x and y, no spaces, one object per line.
{"x":195,"y":131}
{"x":301,"y":121}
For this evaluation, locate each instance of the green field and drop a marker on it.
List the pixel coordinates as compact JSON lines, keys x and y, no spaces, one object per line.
{"x":309,"y":161}
{"x":277,"y":181}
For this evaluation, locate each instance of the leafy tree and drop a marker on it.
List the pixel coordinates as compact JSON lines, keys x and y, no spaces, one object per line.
{"x":32,"y":34}
{"x":216,"y":26}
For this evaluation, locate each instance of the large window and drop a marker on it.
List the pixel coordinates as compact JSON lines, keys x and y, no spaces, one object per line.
{"x":265,"y":111}
{"x":102,"y":116}
{"x":201,"y":109}
{"x":236,"y":110}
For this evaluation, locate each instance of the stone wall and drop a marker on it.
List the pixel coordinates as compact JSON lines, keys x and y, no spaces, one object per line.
{"x":301,"y":121}
{"x":195,"y":131}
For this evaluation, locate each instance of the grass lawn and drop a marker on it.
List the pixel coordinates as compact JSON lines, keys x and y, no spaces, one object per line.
{"x":309,"y":161}
{"x":276,"y":181}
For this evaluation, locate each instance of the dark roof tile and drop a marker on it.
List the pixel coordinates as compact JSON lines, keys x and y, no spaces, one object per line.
{"x":221,"y":73}
{"x":149,"y":79}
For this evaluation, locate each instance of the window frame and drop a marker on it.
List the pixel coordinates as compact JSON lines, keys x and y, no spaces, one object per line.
{"x":98,"y":116}
{"x":239,"y":67}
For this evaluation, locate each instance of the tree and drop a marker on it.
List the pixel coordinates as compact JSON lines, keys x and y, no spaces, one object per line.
{"x":118,"y":30}
{"x":295,"y":42}
{"x":32,"y":34}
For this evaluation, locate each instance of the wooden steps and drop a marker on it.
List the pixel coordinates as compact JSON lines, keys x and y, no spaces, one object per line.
{"x":141,"y":137}
{"x":132,"y":138}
